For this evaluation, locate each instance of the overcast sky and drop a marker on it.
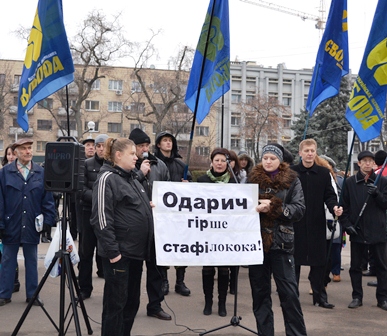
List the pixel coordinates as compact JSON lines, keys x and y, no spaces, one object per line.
{"x":266,"y":36}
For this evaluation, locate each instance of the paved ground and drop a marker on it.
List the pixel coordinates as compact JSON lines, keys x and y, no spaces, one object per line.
{"x":188,"y":318}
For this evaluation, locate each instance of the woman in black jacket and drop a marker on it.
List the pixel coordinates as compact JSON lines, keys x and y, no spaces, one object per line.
{"x":281,"y":203}
{"x":123,"y":223}
{"x":218,"y":173}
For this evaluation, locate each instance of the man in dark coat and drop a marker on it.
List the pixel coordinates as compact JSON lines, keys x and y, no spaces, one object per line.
{"x":88,"y":239}
{"x":23,"y":202}
{"x":369,"y":230}
{"x":168,"y":152}
{"x":149,"y":169}
{"x":310,"y":232}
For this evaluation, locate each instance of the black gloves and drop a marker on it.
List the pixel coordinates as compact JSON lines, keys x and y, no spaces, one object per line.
{"x":330,"y":225}
{"x":372,"y":190}
{"x":1,"y":233}
{"x":351,"y":230}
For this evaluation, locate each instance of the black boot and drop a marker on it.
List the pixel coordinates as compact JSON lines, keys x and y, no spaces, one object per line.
{"x":44,"y":238}
{"x":233,"y":274}
{"x":16,"y":284}
{"x":223,"y":278}
{"x":208,"y":288}
{"x":164,"y":275}
{"x":180,"y":286}
{"x":48,"y":232}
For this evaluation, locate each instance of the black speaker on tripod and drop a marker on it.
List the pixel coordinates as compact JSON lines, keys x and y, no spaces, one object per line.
{"x":64,"y":166}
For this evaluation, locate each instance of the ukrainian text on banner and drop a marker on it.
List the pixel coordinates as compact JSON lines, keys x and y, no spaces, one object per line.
{"x":48,"y":65}
{"x":206,"y":224}
{"x":365,"y":109}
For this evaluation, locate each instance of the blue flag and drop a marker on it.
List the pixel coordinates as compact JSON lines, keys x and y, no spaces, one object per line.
{"x":332,"y":60}
{"x":365,"y":109}
{"x":48,"y":65}
{"x":210,"y":73}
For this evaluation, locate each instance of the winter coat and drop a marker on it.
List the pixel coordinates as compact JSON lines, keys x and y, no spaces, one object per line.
{"x":372,"y":223}
{"x":310,"y":232}
{"x":158,"y":172}
{"x":92,"y":167}
{"x":121,"y":215}
{"x":287,"y":206}
{"x":21,"y":201}
{"x":174,"y":163}
{"x":243,"y":173}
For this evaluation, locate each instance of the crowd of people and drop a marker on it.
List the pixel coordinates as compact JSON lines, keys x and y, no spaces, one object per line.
{"x":305,"y":210}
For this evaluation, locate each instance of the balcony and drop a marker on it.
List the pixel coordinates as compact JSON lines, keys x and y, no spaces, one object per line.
{"x":73,"y":133}
{"x":13,"y":110}
{"x":62,"y":111}
{"x":17,"y":131}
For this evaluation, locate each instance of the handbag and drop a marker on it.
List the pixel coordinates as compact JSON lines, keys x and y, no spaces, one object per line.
{"x":329,"y":232}
{"x":55,"y":245}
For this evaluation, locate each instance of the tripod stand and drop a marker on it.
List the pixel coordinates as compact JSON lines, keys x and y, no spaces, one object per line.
{"x":235,"y":319}
{"x":67,"y":273}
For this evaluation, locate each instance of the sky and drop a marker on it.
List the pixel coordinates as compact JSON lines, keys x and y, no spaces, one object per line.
{"x":266,"y":36}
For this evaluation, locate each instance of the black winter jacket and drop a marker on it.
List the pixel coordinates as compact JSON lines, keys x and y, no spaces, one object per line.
{"x":121,"y":215}
{"x":372,"y":223}
{"x":287,"y":206}
{"x":92,"y":167}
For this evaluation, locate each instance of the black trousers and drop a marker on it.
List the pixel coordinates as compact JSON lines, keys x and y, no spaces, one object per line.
{"x":379,"y":253}
{"x":121,"y":296}
{"x":154,"y":284}
{"x":281,"y":265}
{"x":87,"y":246}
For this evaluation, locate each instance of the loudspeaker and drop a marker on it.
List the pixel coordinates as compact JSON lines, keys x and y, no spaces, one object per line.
{"x":64,"y":166}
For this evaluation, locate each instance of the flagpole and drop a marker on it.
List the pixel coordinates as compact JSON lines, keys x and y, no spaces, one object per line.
{"x":198,"y":95}
{"x":311,"y":101}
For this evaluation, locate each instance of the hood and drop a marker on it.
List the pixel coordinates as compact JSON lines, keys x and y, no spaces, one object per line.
{"x":175,"y":150}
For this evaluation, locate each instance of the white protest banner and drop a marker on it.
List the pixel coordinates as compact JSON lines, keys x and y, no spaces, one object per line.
{"x":213,"y":224}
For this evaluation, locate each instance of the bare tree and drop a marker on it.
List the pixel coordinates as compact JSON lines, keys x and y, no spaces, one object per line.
{"x":261,"y":121}
{"x":163,"y":91}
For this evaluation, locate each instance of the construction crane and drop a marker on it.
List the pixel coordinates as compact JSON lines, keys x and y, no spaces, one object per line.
{"x":320,"y":20}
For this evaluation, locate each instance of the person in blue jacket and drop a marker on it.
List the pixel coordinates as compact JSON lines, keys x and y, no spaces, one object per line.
{"x":23,"y":198}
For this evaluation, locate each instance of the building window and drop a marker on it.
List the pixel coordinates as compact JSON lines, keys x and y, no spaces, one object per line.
{"x":115,"y":106}
{"x":47,"y":103}
{"x":287,"y":123}
{"x":202,"y":151}
{"x":73,"y":125}
{"x":235,"y":98}
{"x":136,"y":87}
{"x":114,"y":127}
{"x":96,"y":126}
{"x":2,"y":79}
{"x":234,"y":143}
{"x":2,"y":145}
{"x":235,"y":121}
{"x":41,"y":146}
{"x":202,"y":130}
{"x":44,"y":125}
{"x":133,"y":126}
{"x":115,"y":85}
{"x":136,"y":107}
{"x":92,"y":105}
{"x":286,"y":99}
{"x":16,"y":79}
{"x":96,"y":85}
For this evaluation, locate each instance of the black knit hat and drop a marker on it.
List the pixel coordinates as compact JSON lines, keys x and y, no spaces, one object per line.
{"x":380,"y":156}
{"x":139,"y":136}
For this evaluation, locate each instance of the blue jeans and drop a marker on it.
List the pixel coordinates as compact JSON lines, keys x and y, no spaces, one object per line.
{"x":121,"y":296}
{"x":8,"y":269}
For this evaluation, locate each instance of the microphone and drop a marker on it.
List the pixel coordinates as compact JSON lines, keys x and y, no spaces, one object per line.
{"x":145,"y":155}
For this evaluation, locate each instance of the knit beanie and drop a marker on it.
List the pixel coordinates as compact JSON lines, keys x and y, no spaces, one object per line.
{"x":101,"y":138}
{"x":138,"y":136}
{"x":276,"y":150}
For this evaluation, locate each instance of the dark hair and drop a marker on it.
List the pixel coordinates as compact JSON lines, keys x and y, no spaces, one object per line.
{"x":220,"y":150}
{"x":5,"y":159}
{"x":234,"y":157}
{"x":115,"y":145}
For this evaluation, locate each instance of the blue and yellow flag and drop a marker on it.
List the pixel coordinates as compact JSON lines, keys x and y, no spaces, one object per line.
{"x":365,"y":109}
{"x":210,"y":73}
{"x":48,"y":65}
{"x":332,"y":60}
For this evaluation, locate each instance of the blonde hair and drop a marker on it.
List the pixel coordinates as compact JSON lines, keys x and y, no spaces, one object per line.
{"x":115,"y":145}
{"x":307,"y":142}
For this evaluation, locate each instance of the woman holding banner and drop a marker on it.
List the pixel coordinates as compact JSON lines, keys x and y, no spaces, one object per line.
{"x":281,"y":203}
{"x":123,"y":223}
{"x":218,"y":173}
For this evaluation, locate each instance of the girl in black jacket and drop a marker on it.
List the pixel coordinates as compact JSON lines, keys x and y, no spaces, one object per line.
{"x":123,"y":223}
{"x":281,"y":203}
